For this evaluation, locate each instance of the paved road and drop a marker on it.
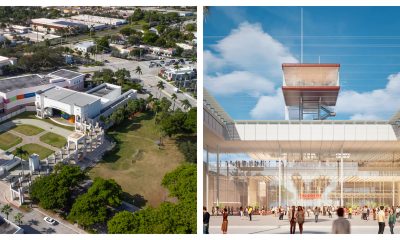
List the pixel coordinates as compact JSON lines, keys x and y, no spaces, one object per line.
{"x":149,"y":77}
{"x":33,"y":222}
{"x":271,"y":225}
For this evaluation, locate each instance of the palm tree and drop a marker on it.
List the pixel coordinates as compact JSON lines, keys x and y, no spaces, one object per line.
{"x":6,"y":209}
{"x":160,"y":86}
{"x":21,"y":153}
{"x":37,"y":32}
{"x":18,"y":218}
{"x":186,"y":104}
{"x":173,"y":97}
{"x":138,"y":71}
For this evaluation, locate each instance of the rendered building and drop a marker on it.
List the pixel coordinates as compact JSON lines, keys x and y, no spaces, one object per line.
{"x":306,"y":159}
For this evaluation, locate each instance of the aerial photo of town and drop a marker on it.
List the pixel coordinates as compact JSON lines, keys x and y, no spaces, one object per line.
{"x":98,"y":120}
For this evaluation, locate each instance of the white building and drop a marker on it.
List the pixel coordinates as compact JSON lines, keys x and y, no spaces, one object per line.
{"x":81,"y":108}
{"x":98,"y":19}
{"x":19,"y":29}
{"x":84,"y":46}
{"x":5,"y":61}
{"x":20,"y":90}
{"x":167,"y":52}
{"x":185,"y":46}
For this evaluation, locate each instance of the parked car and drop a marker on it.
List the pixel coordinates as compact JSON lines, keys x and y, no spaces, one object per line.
{"x":182,"y":61}
{"x":162,"y":62}
{"x":50,"y":220}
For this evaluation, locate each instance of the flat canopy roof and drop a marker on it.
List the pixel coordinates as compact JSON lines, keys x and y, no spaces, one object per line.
{"x":306,"y":74}
{"x":25,"y":81}
{"x":310,"y":95}
{"x":310,"y":83}
{"x":69,"y":96}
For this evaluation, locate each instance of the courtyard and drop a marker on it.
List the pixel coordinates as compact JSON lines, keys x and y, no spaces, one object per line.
{"x":33,"y":136}
{"x":271,"y":225}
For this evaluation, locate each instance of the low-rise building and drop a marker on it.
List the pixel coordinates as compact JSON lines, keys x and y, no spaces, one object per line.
{"x":99,"y":19}
{"x":167,"y":52}
{"x":5,"y":61}
{"x":8,"y":227}
{"x":19,"y":29}
{"x":84,"y":47}
{"x":19,"y":91}
{"x":81,"y":108}
{"x":182,"y":77}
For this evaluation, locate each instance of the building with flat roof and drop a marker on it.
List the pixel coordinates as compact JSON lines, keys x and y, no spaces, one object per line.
{"x":84,"y":46}
{"x":45,"y":24}
{"x":8,"y":227}
{"x":81,"y":108}
{"x":99,"y":19}
{"x":20,"y":90}
{"x":304,"y":160}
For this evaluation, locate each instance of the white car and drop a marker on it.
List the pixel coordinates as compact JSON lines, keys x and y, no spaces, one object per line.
{"x":50,"y":221}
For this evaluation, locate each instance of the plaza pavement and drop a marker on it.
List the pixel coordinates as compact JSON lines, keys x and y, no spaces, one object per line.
{"x":271,"y":225}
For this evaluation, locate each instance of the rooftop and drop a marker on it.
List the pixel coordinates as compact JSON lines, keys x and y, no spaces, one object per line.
{"x":102,"y":91}
{"x":85,"y":44}
{"x":67,"y":74}
{"x":69,"y":97}
{"x":24,"y":81}
{"x":7,"y":227}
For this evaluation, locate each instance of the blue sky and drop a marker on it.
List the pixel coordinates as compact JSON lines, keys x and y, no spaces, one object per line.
{"x":245,"y":46}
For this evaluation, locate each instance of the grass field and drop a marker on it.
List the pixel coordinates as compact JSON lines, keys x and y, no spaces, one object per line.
{"x":54,"y":140}
{"x":27,"y":130}
{"x":35,"y":148}
{"x":137,"y":163}
{"x":8,"y":140}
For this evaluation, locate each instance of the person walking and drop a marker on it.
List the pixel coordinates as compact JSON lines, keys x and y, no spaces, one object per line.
{"x":300,"y":216}
{"x":381,"y":220}
{"x":292,"y":220}
{"x":341,"y":225}
{"x":350,"y":212}
{"x":281,"y":213}
{"x":250,"y":213}
{"x":241,"y":212}
{"x":206,"y":221}
{"x":392,"y":220}
{"x":316,"y":214}
{"x":224,"y":226}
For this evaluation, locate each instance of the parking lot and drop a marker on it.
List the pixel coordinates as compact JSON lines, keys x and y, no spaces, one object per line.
{"x":149,"y":76}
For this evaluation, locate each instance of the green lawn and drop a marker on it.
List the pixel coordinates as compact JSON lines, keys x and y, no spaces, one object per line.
{"x":8,"y":140}
{"x":54,"y":140}
{"x":35,"y":148}
{"x":136,"y":163}
{"x":27,"y":130}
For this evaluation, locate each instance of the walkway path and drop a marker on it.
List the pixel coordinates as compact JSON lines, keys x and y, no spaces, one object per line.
{"x":271,"y":225}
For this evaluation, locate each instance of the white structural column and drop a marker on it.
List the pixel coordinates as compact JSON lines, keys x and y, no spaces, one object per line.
{"x":217,"y":175}
{"x":341,"y":177}
{"x":279,"y":179}
{"x":207,"y":162}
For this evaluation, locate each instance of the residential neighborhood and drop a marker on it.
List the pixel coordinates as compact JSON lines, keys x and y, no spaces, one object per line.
{"x":98,"y":119}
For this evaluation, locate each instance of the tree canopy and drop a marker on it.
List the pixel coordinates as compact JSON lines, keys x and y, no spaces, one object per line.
{"x":54,"y":191}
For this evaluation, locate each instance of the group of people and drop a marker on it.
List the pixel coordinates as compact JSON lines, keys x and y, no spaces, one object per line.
{"x":296,"y":216}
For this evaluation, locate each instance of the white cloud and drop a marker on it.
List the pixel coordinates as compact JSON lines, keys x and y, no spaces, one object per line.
{"x":269,"y":107}
{"x":371,"y":105}
{"x":238,"y":82}
{"x":249,"y":60}
{"x":250,"y":48}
